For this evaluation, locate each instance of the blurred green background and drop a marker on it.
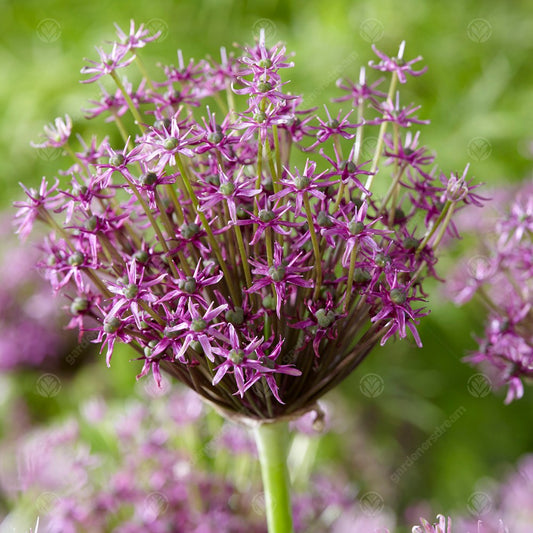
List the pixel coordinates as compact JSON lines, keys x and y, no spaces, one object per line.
{"x":478,"y":94}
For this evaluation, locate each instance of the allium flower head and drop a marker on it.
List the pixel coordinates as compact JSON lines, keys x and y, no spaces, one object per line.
{"x":259,"y":283}
{"x":501,"y":276}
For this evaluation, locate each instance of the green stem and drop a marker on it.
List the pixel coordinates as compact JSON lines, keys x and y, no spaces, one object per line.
{"x":272,"y":446}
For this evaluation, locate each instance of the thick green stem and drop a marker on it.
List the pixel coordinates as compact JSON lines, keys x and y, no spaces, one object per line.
{"x":272,"y":446}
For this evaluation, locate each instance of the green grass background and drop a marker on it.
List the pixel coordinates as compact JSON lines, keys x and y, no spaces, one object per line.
{"x":479,"y":85}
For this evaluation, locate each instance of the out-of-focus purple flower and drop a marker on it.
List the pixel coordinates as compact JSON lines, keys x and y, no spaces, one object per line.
{"x":500,"y":275}
{"x":56,"y":134}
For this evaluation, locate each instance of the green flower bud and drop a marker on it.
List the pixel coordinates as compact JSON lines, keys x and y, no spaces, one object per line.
{"x":236,"y":317}
{"x":398,"y":296}
{"x":76,"y":259}
{"x":196,"y":346}
{"x":189,"y":230}
{"x":323,"y":219}
{"x":112,"y":324}
{"x":227,"y":188}
{"x":170,"y":143}
{"x":264,"y":86}
{"x":277,"y":273}
{"x":356,"y":227}
{"x":264,"y":63}
{"x":325,"y":319}
{"x":301,"y":182}
{"x":188,"y":285}
{"x":116,"y":160}
{"x":236,"y":356}
{"x":198,"y":324}
{"x":141,"y":256}
{"x":148,"y":179}
{"x":361,"y":276}
{"x":91,"y":223}
{"x":266,"y":215}
{"x":410,"y":243}
{"x":259,"y":117}
{"x":130,"y":291}
{"x":213,"y":179}
{"x":79,"y":305}
{"x":382,"y":259}
{"x":269,"y":302}
{"x":349,"y":166}
{"x":333,"y":123}
{"x":215,"y":137}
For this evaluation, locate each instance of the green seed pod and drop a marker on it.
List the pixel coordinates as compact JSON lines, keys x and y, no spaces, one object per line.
{"x":198,"y":324}
{"x":259,"y":117}
{"x":170,"y":143}
{"x":227,"y":188}
{"x":410,"y":243}
{"x":188,"y":285}
{"x":382,"y":259}
{"x":356,"y":227}
{"x":301,"y":182}
{"x":79,"y":305}
{"x":264,"y":86}
{"x":130,"y":291}
{"x":361,"y":275}
{"x":324,"y":220}
{"x":325,"y":319}
{"x":76,"y":259}
{"x":333,"y":123}
{"x":266,"y":215}
{"x":162,"y":124}
{"x":148,"y":179}
{"x":236,"y":356}
{"x":398,"y":296}
{"x":141,"y":256}
{"x":116,"y":160}
{"x":269,"y":302}
{"x":349,"y":166}
{"x":215,"y":137}
{"x":277,"y":273}
{"x":264,"y":63}
{"x":189,"y":230}
{"x":112,"y":324}
{"x":235,"y":317}
{"x":91,"y":223}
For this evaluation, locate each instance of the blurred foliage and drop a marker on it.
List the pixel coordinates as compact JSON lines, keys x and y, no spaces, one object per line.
{"x":478,"y":86}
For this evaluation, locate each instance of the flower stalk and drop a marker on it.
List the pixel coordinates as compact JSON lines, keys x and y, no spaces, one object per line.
{"x":272,"y":446}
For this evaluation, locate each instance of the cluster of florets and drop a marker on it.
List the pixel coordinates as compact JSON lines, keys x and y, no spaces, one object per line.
{"x":152,"y":475}
{"x":500,"y":274}
{"x":258,"y":283}
{"x":30,"y":322}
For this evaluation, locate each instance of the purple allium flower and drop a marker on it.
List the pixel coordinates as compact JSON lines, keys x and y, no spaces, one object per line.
{"x":56,"y":134}
{"x":199,"y":241}
{"x":31,"y":321}
{"x":500,"y":276}
{"x":397,"y":65}
{"x":165,"y":476}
